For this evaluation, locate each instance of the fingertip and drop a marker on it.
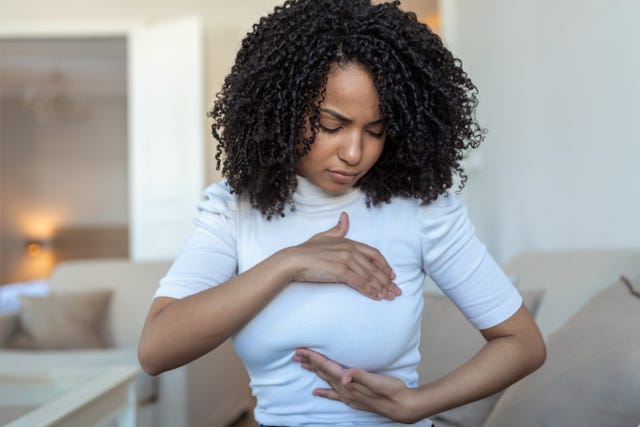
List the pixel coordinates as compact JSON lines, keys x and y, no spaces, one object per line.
{"x":344,"y":219}
{"x":341,"y":228}
{"x":398,"y":291}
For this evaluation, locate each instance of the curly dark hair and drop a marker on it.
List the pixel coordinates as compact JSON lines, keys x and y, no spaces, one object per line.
{"x":277,"y":83}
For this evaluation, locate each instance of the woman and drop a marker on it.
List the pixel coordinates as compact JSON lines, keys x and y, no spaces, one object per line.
{"x":347,"y":112}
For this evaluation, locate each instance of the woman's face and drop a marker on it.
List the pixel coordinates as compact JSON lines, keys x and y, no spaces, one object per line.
{"x":352,"y":134}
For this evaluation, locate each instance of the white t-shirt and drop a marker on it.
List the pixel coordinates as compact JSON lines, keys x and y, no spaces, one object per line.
{"x":380,"y":336}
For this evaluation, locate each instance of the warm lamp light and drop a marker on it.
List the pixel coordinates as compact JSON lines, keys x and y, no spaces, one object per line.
{"x":38,"y":258}
{"x":35,"y":247}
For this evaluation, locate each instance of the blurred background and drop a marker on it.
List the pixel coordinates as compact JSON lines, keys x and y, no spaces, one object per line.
{"x":105,"y":145}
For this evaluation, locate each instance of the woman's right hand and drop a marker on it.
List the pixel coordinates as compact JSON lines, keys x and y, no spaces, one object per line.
{"x":329,"y":257}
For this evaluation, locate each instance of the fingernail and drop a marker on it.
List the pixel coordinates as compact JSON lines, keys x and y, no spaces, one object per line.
{"x":390,"y":295}
{"x":379,"y":296}
{"x":398,"y":291}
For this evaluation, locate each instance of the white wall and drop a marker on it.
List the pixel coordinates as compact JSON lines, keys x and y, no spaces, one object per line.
{"x":559,"y":94}
{"x":225,"y":25}
{"x":69,"y":172}
{"x":557,"y":89}
{"x":225,"y":22}
{"x":75,"y":168}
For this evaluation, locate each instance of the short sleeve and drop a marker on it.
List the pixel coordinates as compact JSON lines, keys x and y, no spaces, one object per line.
{"x":460,"y":265}
{"x":209,"y":255}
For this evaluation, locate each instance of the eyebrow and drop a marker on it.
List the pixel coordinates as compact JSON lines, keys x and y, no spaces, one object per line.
{"x":346,"y":119}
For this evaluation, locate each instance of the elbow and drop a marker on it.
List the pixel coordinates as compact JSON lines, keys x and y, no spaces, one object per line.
{"x":149,"y":368}
{"x":146,"y":359}
{"x":540,"y":355}
{"x":537,"y":354}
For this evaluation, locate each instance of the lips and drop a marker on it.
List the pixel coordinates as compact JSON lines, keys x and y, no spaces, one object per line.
{"x":343,"y":177}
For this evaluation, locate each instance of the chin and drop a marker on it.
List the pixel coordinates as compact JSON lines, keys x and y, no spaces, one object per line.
{"x":330,"y":185}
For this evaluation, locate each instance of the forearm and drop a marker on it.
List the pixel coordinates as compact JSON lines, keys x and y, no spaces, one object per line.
{"x":503,"y":360}
{"x":514,"y":349}
{"x":186,"y":329}
{"x":497,"y":365}
{"x":179,"y":331}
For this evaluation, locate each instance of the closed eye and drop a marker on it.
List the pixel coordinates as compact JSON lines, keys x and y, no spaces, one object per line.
{"x":376,"y":134}
{"x":328,"y":130}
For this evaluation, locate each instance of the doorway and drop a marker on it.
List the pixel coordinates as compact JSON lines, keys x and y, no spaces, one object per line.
{"x":63,"y":151}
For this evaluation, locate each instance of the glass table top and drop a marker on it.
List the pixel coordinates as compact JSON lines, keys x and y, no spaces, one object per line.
{"x":27,"y":395}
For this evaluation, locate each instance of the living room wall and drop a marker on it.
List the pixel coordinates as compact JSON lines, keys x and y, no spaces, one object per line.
{"x":559,"y":95}
{"x":63,"y":173}
{"x":225,"y":24}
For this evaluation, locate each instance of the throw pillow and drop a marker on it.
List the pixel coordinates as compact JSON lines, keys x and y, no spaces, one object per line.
{"x":448,"y":341}
{"x":62,"y":321}
{"x":592,"y":373}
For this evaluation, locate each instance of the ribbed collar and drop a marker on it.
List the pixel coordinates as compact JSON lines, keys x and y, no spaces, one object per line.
{"x":310,"y":198}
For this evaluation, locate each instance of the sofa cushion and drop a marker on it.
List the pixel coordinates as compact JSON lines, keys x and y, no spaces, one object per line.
{"x":8,"y":326}
{"x":62,"y":321}
{"x":448,"y":341}
{"x":592,"y":373}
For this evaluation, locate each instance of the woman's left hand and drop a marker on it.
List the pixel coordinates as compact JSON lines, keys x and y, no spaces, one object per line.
{"x":382,"y":394}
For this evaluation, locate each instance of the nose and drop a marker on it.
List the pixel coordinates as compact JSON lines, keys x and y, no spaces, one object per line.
{"x":350,"y":150}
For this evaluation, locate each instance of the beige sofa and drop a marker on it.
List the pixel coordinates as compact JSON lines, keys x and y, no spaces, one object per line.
{"x":590,"y":320}
{"x":591,"y":377}
{"x":211,"y":391}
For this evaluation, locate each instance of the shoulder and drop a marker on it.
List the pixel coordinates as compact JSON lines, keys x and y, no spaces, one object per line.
{"x":219,"y":199}
{"x":444,"y":221}
{"x":446,"y":209}
{"x":219,"y":189}
{"x":446,"y":204}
